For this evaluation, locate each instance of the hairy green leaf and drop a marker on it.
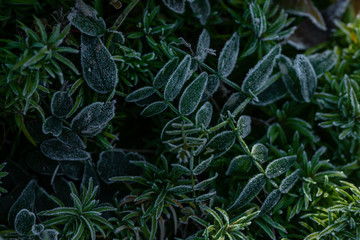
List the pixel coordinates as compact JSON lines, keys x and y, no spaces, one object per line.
{"x":306,"y":75}
{"x":279,"y":166}
{"x":154,"y":109}
{"x":61,"y":104}
{"x":228,"y":55}
{"x":289,"y":182}
{"x":270,"y":201}
{"x":163,"y":76}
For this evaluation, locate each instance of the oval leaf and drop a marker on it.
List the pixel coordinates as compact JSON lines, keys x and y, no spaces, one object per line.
{"x":289,"y":181}
{"x":220,"y":143}
{"x":258,"y":75}
{"x":259,"y":152}
{"x":203,"y":115}
{"x":239,"y":164}
{"x":140,"y":94}
{"x":192,"y":94}
{"x":154,"y":109}
{"x":228,"y":55}
{"x":165,"y":72}
{"x":270,"y":201}
{"x":92,"y":119}
{"x":61,"y":104}
{"x":306,"y":75}
{"x":203,"y":45}
{"x":177,"y":79}
{"x":279,"y":166}
{"x":52,"y":125}
{"x":244,"y":125}
{"x":252,"y":188}
{"x":99,"y":69}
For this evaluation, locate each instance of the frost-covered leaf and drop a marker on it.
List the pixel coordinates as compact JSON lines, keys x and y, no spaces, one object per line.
{"x":115,"y":162}
{"x":212,"y":86}
{"x":273,"y":93}
{"x":52,"y":125}
{"x":24,"y":221}
{"x":228,"y":55}
{"x":99,"y":69}
{"x":259,"y":152}
{"x":85,"y":19}
{"x":203,"y":45}
{"x":252,"y":188}
{"x":258,"y":75}
{"x":279,"y":166}
{"x":202,"y":8}
{"x":177,"y":79}
{"x":61,"y":104}
{"x":323,"y":62}
{"x":70,"y":138}
{"x":37,"y":228}
{"x":163,"y":76}
{"x":238,"y":165}
{"x":306,"y":75}
{"x":289,"y":182}
{"x":233,"y":102}
{"x":140,"y":94}
{"x":26,"y":200}
{"x":90,"y":175}
{"x":191,"y":97}
{"x":177,"y":6}
{"x":56,"y":150}
{"x":289,"y":77}
{"x":244,"y":125}
{"x":220,"y":143}
{"x":258,"y":19}
{"x":154,"y":109}
{"x":270,"y":201}
{"x":92,"y":119}
{"x":203,"y":165}
{"x":49,"y":234}
{"x":305,"y":8}
{"x":204,"y":115}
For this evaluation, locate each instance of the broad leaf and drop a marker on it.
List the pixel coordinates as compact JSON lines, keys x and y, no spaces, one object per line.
{"x":85,"y":19}
{"x":250,"y":191}
{"x":53,"y":126}
{"x":99,"y":69}
{"x":177,"y":79}
{"x":220,"y":143}
{"x":204,"y":115}
{"x":258,"y":75}
{"x":163,"y":76}
{"x":259,"y":152}
{"x":192,"y":94}
{"x":92,"y":119}
{"x":279,"y":166}
{"x":154,"y":109}
{"x":306,"y":75}
{"x":61,"y":104}
{"x":24,"y":221}
{"x":228,"y":55}
{"x":56,"y":150}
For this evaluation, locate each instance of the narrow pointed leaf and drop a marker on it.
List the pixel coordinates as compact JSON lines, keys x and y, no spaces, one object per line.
{"x":163,"y":76}
{"x":270,"y":201}
{"x":154,"y":109}
{"x":228,"y":55}
{"x":306,"y":75}
{"x":204,"y":115}
{"x":289,"y":182}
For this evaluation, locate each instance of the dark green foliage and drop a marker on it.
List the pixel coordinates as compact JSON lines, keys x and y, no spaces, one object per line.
{"x":149,"y":120}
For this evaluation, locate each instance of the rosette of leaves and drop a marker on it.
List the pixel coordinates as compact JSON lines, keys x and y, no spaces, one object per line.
{"x":83,"y":219}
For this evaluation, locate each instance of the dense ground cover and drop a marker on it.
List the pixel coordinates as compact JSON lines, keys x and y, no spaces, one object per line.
{"x":179,"y":119}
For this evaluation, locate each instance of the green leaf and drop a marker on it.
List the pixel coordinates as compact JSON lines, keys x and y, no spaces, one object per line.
{"x":92,"y":119}
{"x":203,"y":115}
{"x":220,"y":143}
{"x":24,"y":221}
{"x":244,"y":125}
{"x":191,"y":97}
{"x":290,"y":78}
{"x":270,"y":201}
{"x":258,"y":75}
{"x":228,"y":55}
{"x":280,"y":166}
{"x":323,"y":62}
{"x":49,"y":234}
{"x":203,"y":165}
{"x":53,"y":126}
{"x":181,"y":189}
{"x":177,"y":79}
{"x":259,"y":152}
{"x":140,"y":94}
{"x":202,"y":9}
{"x":36,"y":228}
{"x":26,"y":200}
{"x":154,"y":109}
{"x":203,"y":45}
{"x":306,"y":75}
{"x":61,"y":104}
{"x":181,"y":169}
{"x":239,"y":164}
{"x":56,"y":150}
{"x":85,"y":19}
{"x":99,"y":69}
{"x":258,"y":19}
{"x":177,"y":6}
{"x":212,"y":86}
{"x":289,"y":182}
{"x":70,"y":138}
{"x":163,"y":76}
{"x":206,"y":182}
{"x":252,"y":188}
{"x":115,"y":162}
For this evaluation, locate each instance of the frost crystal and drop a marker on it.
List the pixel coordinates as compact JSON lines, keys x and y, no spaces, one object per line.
{"x":192,"y":94}
{"x":228,"y":55}
{"x":98,"y":67}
